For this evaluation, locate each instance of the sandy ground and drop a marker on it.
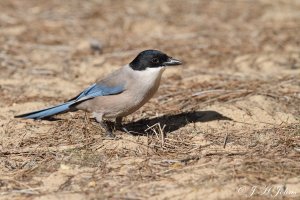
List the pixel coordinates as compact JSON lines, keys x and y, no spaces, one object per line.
{"x":225,"y":125}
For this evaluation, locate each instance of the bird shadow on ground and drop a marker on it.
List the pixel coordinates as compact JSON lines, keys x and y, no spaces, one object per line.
{"x":171,"y":122}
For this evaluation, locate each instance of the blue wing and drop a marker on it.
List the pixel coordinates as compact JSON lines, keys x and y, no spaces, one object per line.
{"x":89,"y":93}
{"x":97,"y":90}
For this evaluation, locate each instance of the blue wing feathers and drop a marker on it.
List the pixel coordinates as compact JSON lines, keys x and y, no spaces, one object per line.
{"x":89,"y":93}
{"x":97,"y":90}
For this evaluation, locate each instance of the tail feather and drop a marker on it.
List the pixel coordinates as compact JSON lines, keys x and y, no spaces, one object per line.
{"x":64,"y":107}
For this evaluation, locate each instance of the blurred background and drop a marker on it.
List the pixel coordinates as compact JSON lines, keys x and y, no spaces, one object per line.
{"x":204,"y":33}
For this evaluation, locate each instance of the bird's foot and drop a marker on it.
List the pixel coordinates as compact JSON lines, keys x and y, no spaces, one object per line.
{"x":110,"y":136}
{"x":125,"y":129}
{"x":108,"y":131}
{"x":118,"y":123}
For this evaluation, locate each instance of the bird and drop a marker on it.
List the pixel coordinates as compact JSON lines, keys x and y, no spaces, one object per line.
{"x":119,"y":94}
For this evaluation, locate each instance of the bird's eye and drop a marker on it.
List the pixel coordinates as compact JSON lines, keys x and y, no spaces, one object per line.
{"x":155,"y":60}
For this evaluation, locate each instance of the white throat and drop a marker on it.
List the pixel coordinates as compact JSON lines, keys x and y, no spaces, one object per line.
{"x":149,"y":75}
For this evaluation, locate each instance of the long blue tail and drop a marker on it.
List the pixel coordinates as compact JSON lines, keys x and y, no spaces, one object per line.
{"x":61,"y":108}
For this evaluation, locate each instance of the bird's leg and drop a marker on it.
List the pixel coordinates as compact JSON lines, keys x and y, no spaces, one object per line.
{"x":108,"y":131}
{"x":118,"y":123}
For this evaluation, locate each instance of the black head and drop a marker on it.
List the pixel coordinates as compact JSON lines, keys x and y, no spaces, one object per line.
{"x":151,"y":59}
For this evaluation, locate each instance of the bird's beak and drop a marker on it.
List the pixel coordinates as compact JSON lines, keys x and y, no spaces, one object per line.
{"x":172,"y":62}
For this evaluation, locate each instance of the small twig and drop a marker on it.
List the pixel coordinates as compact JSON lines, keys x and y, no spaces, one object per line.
{"x":197,"y":157}
{"x":153,"y":129}
{"x":28,"y":190}
{"x":149,"y":127}
{"x":43,"y":150}
{"x":219,"y":91}
{"x":161,"y":130}
{"x":24,"y":191}
{"x":225,"y":140}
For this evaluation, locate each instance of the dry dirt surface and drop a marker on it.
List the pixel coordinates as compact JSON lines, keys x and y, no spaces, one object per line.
{"x":225,"y":125}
